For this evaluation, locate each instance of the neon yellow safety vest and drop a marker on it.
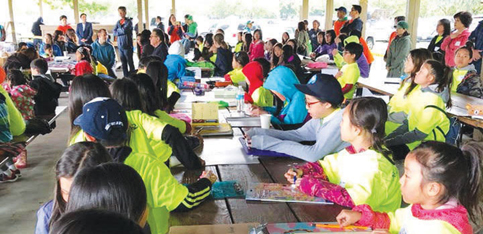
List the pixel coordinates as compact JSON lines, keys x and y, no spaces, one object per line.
{"x":458,"y":76}
{"x":368,"y":177}
{"x":404,"y":218}
{"x":399,"y":103}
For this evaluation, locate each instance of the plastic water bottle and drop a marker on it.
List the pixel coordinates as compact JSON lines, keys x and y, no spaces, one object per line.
{"x":240,"y":99}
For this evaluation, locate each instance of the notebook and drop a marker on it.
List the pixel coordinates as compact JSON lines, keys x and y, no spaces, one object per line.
{"x":222,"y":129}
{"x":280,"y":193}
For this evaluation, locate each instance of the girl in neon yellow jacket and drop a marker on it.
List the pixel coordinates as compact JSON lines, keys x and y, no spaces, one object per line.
{"x":427,"y":118}
{"x":398,"y":106}
{"x":441,"y":185}
{"x":362,"y":173}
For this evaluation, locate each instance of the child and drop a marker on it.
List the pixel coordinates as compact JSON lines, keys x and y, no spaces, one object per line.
{"x":240,"y":59}
{"x":95,"y":221}
{"x":441,"y":183}
{"x":223,"y":55}
{"x":48,"y":91}
{"x":280,"y":82}
{"x":323,"y":97}
{"x":169,"y":92}
{"x":362,"y":63}
{"x":427,"y":118}
{"x":175,"y":61}
{"x":256,"y":94}
{"x":362,"y":173}
{"x":75,"y":157}
{"x":83,"y":65}
{"x":49,"y":54}
{"x":152,"y":131}
{"x":268,"y":48}
{"x":349,"y":73}
{"x":198,"y":48}
{"x":21,"y":93}
{"x":164,"y":192}
{"x":277,"y":53}
{"x":110,"y":186}
{"x":465,"y":79}
{"x":239,"y":44}
{"x":327,"y":47}
{"x":398,"y":106}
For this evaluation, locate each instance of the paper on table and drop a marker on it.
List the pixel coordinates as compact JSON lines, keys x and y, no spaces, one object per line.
{"x":329,"y":71}
{"x":205,"y":111}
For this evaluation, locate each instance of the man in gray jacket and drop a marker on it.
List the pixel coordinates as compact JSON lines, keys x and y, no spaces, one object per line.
{"x":323,"y":97}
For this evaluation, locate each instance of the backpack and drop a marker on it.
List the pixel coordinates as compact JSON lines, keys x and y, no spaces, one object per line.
{"x":453,"y":135}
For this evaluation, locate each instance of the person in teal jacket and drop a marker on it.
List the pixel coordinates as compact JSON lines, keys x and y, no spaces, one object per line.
{"x":175,"y":61}
{"x":281,"y":82}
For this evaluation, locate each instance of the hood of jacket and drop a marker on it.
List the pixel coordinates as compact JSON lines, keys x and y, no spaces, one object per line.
{"x":119,"y":154}
{"x":433,"y":89}
{"x":470,"y":67}
{"x":176,"y":48}
{"x":253,"y":71}
{"x":282,"y":80}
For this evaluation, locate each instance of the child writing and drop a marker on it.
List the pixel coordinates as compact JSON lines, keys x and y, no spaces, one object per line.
{"x":441,"y":183}
{"x":240,"y":59}
{"x":465,"y":78}
{"x":21,"y":93}
{"x":349,"y":73}
{"x":426,"y":118}
{"x":362,"y":173}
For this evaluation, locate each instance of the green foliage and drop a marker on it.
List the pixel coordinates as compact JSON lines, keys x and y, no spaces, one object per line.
{"x":222,"y":9}
{"x":287,"y":10}
{"x":89,"y":8}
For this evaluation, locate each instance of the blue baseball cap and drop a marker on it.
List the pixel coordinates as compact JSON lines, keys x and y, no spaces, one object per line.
{"x":324,"y":87}
{"x":341,"y":9}
{"x":104,"y":119}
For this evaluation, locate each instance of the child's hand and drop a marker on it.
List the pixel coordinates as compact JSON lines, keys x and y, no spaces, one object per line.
{"x":339,"y":74}
{"x":335,"y":52}
{"x":348,"y":217}
{"x":257,"y":111}
{"x":210,"y":176}
{"x":476,"y":54}
{"x":291,"y":173}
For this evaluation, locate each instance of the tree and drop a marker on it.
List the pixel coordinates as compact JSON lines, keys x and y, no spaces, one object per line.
{"x":287,"y":10}
{"x":89,"y":8}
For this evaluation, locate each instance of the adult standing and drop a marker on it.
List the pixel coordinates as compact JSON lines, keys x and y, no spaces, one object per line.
{"x":302,"y":38}
{"x":457,"y":39}
{"x":37,"y":31}
{"x":175,"y":31}
{"x":192,"y":29}
{"x":123,"y":32}
{"x":443,"y":29}
{"x":63,"y":24}
{"x":256,"y":47}
{"x":157,"y":41}
{"x":393,"y":35}
{"x":398,"y":51}
{"x":103,"y":51}
{"x":159,"y":23}
{"x":313,"y":35}
{"x":341,"y":19}
{"x":355,"y":23}
{"x":84,"y":31}
{"x":477,"y":38}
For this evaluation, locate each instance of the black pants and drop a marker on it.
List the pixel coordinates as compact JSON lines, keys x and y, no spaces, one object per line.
{"x":399,"y":151}
{"x":181,"y":148}
{"x":126,"y":59}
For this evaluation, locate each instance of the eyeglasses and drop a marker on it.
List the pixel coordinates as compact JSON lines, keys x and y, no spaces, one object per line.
{"x":311,"y":103}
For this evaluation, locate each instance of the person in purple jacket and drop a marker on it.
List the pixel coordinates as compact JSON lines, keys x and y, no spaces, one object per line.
{"x":327,"y":47}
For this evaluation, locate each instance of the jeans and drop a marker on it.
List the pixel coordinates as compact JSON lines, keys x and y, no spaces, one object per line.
{"x":126,"y":57}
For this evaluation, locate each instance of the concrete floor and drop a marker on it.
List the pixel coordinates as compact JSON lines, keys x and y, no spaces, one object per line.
{"x":20,"y":200}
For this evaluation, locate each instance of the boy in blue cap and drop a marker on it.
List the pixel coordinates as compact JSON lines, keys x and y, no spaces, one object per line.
{"x":323,"y":97}
{"x":103,"y":120}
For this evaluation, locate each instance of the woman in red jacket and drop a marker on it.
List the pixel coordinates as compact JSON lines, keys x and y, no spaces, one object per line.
{"x":458,"y":38}
{"x":256,"y":48}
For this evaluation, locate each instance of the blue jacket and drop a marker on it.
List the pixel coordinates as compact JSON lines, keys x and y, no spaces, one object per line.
{"x":84,"y":34}
{"x":43,"y":218}
{"x":176,"y":66}
{"x":104,"y":53}
{"x":55,"y":49}
{"x":282,"y":80}
{"x":124,"y":34}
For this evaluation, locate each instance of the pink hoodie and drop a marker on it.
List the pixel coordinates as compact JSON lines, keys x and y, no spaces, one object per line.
{"x":451,"y":45}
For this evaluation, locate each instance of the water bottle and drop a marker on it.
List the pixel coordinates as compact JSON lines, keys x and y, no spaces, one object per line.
{"x":240,"y":99}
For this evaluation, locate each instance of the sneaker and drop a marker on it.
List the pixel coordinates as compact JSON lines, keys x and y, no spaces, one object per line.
{"x":16,"y":172}
{"x":4,"y":178}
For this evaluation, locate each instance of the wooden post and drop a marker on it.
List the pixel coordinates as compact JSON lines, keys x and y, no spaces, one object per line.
{"x":329,"y":14}
{"x":140,"y":15}
{"x":412,"y":15}
{"x":146,"y":14}
{"x":41,"y":9}
{"x":173,"y":7}
{"x":305,"y":10}
{"x":12,"y":22}
{"x":363,"y":16}
{"x":76,"y":11}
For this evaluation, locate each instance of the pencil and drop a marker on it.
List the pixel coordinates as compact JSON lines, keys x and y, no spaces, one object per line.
{"x":337,"y":226}
{"x":243,"y":132}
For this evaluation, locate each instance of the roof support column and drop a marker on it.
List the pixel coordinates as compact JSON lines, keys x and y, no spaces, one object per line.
{"x":412,"y":16}
{"x":329,"y":14}
{"x":12,"y":22}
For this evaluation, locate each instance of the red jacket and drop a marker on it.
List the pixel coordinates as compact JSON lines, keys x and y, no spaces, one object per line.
{"x":451,"y":45}
{"x":64,"y":28}
{"x":254,"y":73}
{"x":256,"y":50}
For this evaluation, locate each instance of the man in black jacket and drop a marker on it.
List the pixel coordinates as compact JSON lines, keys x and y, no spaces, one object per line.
{"x":355,"y":23}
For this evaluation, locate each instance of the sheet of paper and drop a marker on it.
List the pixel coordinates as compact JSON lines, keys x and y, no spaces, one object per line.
{"x":205,"y":111}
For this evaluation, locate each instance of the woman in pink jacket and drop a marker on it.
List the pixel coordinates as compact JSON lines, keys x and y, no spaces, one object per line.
{"x":457,"y":39}
{"x":256,"y":48}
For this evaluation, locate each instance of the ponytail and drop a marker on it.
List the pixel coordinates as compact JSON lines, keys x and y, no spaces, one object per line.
{"x":443,"y":76}
{"x":471,"y":191}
